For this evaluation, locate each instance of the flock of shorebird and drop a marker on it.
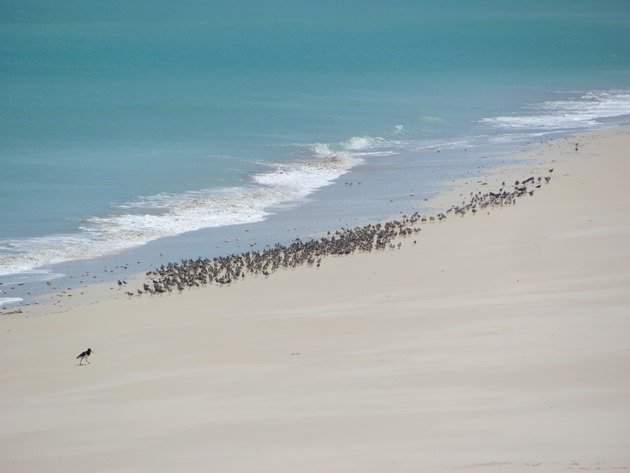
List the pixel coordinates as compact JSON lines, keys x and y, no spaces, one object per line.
{"x":224,"y":270}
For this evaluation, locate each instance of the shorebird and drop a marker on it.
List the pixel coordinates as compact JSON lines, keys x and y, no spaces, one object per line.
{"x":84,"y":356}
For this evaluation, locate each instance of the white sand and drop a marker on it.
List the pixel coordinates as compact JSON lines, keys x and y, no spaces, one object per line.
{"x":499,"y":343}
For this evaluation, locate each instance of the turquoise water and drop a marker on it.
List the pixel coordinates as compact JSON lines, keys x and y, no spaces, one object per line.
{"x":126,"y":122}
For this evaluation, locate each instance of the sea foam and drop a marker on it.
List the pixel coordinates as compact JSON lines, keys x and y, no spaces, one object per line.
{"x":5,"y":301}
{"x":148,"y":218}
{"x":586,"y":111}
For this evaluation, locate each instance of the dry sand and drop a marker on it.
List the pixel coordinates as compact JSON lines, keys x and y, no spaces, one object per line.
{"x":501,"y":342}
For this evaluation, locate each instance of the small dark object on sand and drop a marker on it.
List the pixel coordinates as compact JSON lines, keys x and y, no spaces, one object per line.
{"x":84,"y":356}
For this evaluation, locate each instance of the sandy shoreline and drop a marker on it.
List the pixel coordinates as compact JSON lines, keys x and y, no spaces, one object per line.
{"x":61,"y":298}
{"x":498,"y":343}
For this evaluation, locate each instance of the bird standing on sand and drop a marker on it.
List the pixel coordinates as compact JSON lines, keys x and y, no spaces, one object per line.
{"x":84,"y":356}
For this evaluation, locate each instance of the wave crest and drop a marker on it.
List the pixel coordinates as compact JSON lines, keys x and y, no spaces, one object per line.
{"x":164,"y":215}
{"x":586,"y":111}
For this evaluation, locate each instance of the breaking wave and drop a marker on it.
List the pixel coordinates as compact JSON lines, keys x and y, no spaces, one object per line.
{"x":148,"y":218}
{"x":5,"y":301}
{"x":589,"y":110}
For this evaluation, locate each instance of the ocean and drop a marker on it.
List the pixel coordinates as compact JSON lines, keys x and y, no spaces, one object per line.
{"x":137,"y":132}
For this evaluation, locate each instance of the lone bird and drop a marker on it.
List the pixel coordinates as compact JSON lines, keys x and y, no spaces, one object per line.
{"x":84,"y":356}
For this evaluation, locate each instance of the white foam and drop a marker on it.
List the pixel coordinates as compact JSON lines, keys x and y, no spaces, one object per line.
{"x":301,"y":180}
{"x":362,"y":143}
{"x":107,"y":235}
{"x":585,"y":111}
{"x":5,"y":301}
{"x":164,"y":215}
{"x":32,"y":275}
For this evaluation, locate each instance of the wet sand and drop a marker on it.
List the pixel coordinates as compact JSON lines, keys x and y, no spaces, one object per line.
{"x":498,"y":342}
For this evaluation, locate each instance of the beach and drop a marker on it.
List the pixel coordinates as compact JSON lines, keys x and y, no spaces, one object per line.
{"x":498,"y":342}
